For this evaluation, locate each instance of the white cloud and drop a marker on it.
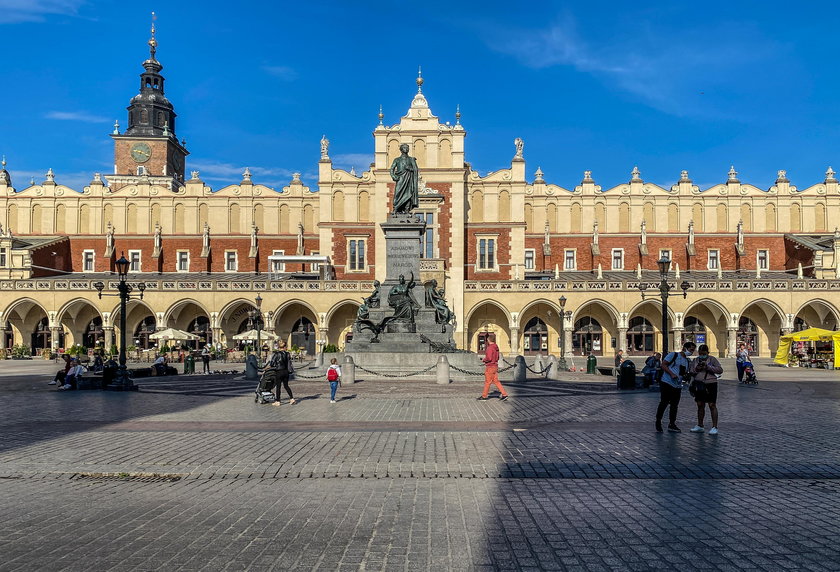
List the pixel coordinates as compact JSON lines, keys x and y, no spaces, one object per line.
{"x":76,"y":116}
{"x":284,"y":73}
{"x":359,"y":161}
{"x":231,"y":174}
{"x":670,"y":73}
{"x":16,"y":11}
{"x":21,"y":179}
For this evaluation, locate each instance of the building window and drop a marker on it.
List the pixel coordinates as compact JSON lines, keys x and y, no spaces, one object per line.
{"x":2,"y":257}
{"x":570,"y":260}
{"x":141,"y":170}
{"x":183,"y":261}
{"x":427,"y":242}
{"x":231,"y":263}
{"x":530,"y":254}
{"x":356,"y":255}
{"x":714,"y":259}
{"x":618,"y":259}
{"x":763,"y":259}
{"x":276,"y":265}
{"x":87,"y":261}
{"x":134,"y":261}
{"x":486,"y":253}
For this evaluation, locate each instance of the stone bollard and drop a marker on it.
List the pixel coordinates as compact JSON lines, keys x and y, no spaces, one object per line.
{"x":553,"y":369}
{"x":519,"y":371}
{"x":319,"y":359}
{"x":252,"y":373}
{"x":442,"y":371}
{"x":538,"y":362}
{"x":348,"y":371}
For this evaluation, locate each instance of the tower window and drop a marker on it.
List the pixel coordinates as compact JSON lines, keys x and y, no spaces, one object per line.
{"x":144,"y":116}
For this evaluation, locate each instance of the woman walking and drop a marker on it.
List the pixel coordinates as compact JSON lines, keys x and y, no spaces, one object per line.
{"x":281,"y":363}
{"x":334,"y":377}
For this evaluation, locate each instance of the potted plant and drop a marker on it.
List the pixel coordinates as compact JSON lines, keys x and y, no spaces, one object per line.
{"x":20,"y":351}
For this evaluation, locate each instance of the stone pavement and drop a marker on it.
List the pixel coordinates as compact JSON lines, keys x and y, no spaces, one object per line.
{"x":190,"y":474}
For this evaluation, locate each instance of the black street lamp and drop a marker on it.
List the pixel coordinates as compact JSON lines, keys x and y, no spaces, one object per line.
{"x":122,"y":382}
{"x":664,"y":264}
{"x":258,"y":300}
{"x":564,"y":315}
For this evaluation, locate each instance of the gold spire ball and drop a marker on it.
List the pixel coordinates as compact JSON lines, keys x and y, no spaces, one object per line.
{"x":152,"y":40}
{"x":419,"y":80}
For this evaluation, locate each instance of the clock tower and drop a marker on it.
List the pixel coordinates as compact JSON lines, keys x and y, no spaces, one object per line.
{"x":149,"y":148}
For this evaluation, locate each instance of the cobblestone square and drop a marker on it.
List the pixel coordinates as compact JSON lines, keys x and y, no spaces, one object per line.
{"x":190,"y":474}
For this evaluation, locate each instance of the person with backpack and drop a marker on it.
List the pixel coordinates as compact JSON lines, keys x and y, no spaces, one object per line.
{"x":334,"y":377}
{"x":281,"y":364}
{"x":675,"y":367}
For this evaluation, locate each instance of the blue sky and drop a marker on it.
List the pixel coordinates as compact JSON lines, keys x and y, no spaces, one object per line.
{"x":597,"y":85}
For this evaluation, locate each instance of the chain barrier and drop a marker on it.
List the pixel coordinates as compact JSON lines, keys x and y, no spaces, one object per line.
{"x":422,"y":371}
{"x":541,"y":372}
{"x":465,"y":372}
{"x":317,"y":376}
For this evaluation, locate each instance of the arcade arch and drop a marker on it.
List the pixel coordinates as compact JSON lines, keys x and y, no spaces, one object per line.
{"x":760,"y":326}
{"x":339,"y":322}
{"x":484,"y":319}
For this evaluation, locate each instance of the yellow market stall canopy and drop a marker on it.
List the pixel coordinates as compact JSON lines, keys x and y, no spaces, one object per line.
{"x":809,"y":335}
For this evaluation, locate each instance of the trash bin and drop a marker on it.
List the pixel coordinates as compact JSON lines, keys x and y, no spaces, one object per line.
{"x":591,"y":364}
{"x":189,"y":364}
{"x":627,"y":375}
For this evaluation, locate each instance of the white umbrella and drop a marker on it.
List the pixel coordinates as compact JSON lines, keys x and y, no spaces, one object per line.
{"x":172,"y":334}
{"x":252,"y":335}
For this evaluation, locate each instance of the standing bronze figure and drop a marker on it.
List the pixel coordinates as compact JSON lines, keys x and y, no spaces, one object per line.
{"x":406,"y":175}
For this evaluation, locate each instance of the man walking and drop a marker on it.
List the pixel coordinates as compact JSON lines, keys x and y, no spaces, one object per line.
{"x":674,"y":367}
{"x":491,"y":369}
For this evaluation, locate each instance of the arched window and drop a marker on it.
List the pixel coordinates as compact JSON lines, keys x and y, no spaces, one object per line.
{"x":338,"y":206}
{"x":364,"y":206}
{"x":202,"y":216}
{"x":551,"y":214}
{"x":36,"y":219}
{"x":770,"y":218}
{"x":694,"y":331}
{"x":60,"y":219}
{"x":94,"y":334}
{"x":577,"y":215}
{"x":308,"y":218}
{"x":624,"y":217}
{"x":819,"y":217}
{"x":84,"y":219}
{"x":529,"y":218}
{"x":131,"y":218}
{"x":393,"y":150}
{"x":420,"y":152}
{"x":107,"y":216}
{"x":259,"y":217}
{"x":601,"y":217}
{"x":445,"y":154}
{"x":722,"y":218}
{"x":12,"y":218}
{"x":155,"y":219}
{"x":143,"y":331}
{"x":477,"y":207}
{"x":200,"y":327}
{"x":795,"y":218}
{"x":586,"y":337}
{"x":639,"y":336}
{"x":698,"y":217}
{"x":673,"y":218}
{"x":179,"y":218}
{"x":536,"y":337}
{"x":303,"y":335}
{"x":284,"y":219}
{"x":235,"y":223}
{"x":504,"y":206}
{"x":746,"y":217}
{"x":650,"y":217}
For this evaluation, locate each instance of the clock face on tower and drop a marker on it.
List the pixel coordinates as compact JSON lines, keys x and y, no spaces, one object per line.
{"x":141,"y":152}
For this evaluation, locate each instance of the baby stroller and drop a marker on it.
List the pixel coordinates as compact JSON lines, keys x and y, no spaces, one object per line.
{"x":749,"y":373}
{"x":263,"y":393}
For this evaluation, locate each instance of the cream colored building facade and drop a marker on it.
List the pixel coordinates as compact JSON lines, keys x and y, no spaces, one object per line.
{"x":505,"y":246}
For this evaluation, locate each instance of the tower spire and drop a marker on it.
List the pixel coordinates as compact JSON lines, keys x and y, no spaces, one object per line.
{"x":152,"y":40}
{"x":419,"y":79}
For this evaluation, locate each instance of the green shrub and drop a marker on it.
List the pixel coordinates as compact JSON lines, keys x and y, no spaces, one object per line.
{"x":114,"y":350}
{"x":77,"y":350}
{"x":330,"y":349}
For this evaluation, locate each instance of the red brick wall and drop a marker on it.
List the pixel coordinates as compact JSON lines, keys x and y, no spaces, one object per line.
{"x":502,"y":253}
{"x":339,"y":258}
{"x":44,"y":256}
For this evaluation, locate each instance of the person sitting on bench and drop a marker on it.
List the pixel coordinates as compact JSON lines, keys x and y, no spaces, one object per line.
{"x":160,"y":365}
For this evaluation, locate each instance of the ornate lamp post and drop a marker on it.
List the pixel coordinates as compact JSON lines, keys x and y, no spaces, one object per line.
{"x":564,"y":315}
{"x":122,"y":382}
{"x":664,"y":264}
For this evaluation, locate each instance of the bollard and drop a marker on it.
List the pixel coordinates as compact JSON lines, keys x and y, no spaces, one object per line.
{"x":538,"y":363}
{"x":348,"y":371}
{"x":251,"y":371}
{"x":442,"y":371}
{"x":553,"y":368}
{"x":519,"y":371}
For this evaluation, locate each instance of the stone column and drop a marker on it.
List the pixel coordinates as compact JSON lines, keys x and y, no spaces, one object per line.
{"x":731,"y":342}
{"x":678,"y":333}
{"x":514,"y":340}
{"x":622,"y":340}
{"x":108,"y":332}
{"x":54,"y":332}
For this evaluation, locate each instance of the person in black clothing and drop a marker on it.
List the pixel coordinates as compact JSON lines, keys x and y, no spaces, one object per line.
{"x":205,"y":359}
{"x":281,"y":365}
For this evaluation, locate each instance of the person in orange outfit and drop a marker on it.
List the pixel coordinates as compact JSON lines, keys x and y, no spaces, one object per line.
{"x":491,"y":369}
